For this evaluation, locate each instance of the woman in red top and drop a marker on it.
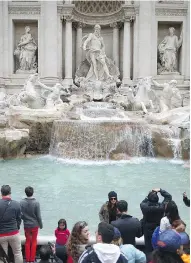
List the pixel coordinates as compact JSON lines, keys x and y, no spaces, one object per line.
{"x":62,"y":233}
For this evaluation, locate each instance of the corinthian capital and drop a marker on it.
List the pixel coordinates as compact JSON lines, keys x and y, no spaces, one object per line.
{"x":68,"y":17}
{"x":114,"y":25}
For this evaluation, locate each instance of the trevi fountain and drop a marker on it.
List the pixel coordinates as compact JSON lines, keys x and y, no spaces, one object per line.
{"x":103,"y":84}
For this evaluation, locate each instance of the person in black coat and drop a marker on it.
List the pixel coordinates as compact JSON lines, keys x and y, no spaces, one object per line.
{"x":152,"y":211}
{"x":186,"y":200}
{"x":129,"y":227}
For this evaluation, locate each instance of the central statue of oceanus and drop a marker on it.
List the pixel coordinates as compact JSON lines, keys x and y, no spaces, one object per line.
{"x":97,"y":66}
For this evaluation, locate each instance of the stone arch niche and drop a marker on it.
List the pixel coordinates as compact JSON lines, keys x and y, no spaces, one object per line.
{"x":163,"y":31}
{"x":104,"y":13}
{"x":19,"y":31}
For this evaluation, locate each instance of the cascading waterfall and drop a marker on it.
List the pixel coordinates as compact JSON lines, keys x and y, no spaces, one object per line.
{"x":96,"y":140}
{"x":175,"y":142}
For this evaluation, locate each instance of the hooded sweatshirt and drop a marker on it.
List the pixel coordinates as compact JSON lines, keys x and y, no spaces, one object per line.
{"x":103,"y":253}
{"x":31,"y":216}
{"x":107,"y":253}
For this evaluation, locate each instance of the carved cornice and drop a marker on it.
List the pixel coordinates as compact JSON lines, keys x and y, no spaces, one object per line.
{"x":67,"y":12}
{"x":24,"y":10}
{"x":126,"y":13}
{"x":164,"y":11}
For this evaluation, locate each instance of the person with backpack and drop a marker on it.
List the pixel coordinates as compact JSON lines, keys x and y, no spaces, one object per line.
{"x":10,"y":221}
{"x":103,"y":251}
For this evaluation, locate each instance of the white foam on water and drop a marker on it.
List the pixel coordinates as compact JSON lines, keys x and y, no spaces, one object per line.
{"x":134,"y":160}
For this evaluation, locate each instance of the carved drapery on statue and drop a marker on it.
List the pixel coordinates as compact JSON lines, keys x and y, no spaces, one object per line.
{"x":26,"y":53}
{"x":168,"y":49}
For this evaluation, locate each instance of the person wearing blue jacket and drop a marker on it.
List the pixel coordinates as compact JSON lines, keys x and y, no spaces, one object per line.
{"x":133,"y":254}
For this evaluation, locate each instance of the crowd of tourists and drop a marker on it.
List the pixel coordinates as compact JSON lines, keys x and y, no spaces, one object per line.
{"x":164,"y":231}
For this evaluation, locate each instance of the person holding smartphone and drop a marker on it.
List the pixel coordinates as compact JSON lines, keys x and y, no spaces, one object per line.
{"x":186,"y":200}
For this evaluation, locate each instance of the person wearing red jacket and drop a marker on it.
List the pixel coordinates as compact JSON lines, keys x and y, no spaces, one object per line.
{"x":62,"y":233}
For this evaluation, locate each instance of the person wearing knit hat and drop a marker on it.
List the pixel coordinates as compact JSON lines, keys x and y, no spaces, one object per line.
{"x":108,"y":211}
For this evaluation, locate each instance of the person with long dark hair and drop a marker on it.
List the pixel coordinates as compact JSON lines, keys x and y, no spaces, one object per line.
{"x":171,"y":215}
{"x":78,"y":240}
{"x":108,"y":211}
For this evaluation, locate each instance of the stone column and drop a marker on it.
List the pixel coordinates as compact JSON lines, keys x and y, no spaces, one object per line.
{"x":187,"y":63}
{"x":126,"y":52}
{"x":1,"y":41}
{"x":68,"y":50}
{"x":115,"y":43}
{"x":78,"y":44}
{"x":49,"y":16}
{"x":146,"y":38}
{"x":6,"y":43}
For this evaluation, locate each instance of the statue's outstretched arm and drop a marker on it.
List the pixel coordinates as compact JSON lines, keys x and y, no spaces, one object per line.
{"x":157,"y":84}
{"x":44,"y":86}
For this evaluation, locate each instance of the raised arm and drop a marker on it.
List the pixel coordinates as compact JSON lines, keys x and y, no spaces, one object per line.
{"x":44,"y":86}
{"x":166,"y":195}
{"x":157,"y":84}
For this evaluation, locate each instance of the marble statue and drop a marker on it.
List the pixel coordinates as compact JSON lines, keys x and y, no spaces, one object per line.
{"x":169,"y":91}
{"x":3,"y":99}
{"x":44,"y":98}
{"x":25,"y":52}
{"x":141,"y":101}
{"x":168,"y":52}
{"x":28,"y":97}
{"x":95,"y":54}
{"x":97,"y":67}
{"x":52,"y":94}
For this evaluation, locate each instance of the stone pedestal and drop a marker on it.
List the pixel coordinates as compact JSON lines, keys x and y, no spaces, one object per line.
{"x":126,"y":53}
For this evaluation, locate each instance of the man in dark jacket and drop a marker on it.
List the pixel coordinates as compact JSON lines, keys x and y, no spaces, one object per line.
{"x":31,"y":216}
{"x":153,"y":211}
{"x":186,"y":200}
{"x":10,"y":220}
{"x":129,"y":227}
{"x":103,"y":251}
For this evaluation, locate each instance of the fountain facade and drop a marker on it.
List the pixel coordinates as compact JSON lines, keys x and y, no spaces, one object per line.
{"x":109,"y":104}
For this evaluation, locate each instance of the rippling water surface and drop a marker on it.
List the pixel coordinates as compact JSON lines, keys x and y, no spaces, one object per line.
{"x":75,"y":190}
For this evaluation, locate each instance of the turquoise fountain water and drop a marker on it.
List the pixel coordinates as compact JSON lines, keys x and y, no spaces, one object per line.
{"x":75,"y":190}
